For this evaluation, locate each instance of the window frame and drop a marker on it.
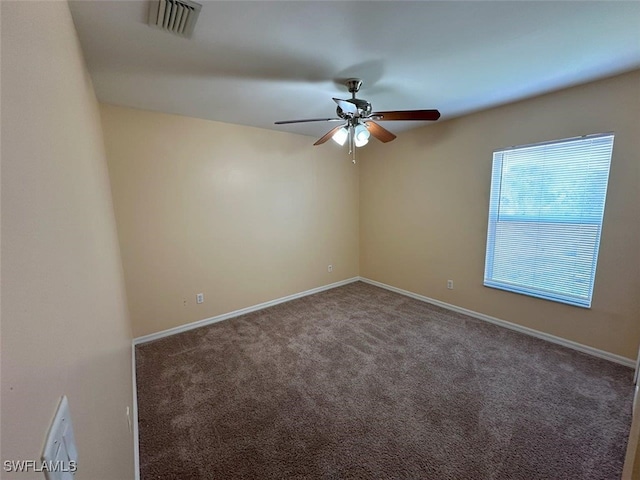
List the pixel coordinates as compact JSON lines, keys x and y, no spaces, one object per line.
{"x":494,"y":219}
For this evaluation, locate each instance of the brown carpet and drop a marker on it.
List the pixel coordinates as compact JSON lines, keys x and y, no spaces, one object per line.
{"x":359,"y":382}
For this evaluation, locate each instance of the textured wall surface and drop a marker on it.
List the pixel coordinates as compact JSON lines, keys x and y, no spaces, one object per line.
{"x":243,"y":215}
{"x":424,"y":202}
{"x":65,"y":326}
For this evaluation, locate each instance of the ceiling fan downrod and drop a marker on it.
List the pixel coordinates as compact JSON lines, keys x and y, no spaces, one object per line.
{"x":353,"y":85}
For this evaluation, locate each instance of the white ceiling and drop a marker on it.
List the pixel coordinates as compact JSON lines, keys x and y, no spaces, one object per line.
{"x":252,"y":63}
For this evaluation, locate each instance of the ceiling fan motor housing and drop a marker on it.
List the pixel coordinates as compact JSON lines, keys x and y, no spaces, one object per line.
{"x":364,"y":108}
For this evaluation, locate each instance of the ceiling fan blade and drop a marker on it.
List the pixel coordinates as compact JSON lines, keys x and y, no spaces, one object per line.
{"x":283,"y":122}
{"x":379,"y":132}
{"x":328,"y":135}
{"x":346,"y":105}
{"x":406,"y":115}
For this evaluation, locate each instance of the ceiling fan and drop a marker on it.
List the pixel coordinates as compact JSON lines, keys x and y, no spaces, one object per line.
{"x":357,"y":120}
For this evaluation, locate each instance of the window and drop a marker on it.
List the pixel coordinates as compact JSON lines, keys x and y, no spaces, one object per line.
{"x":545,"y":218}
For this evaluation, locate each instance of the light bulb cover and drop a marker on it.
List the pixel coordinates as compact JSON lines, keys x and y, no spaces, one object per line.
{"x":361,"y":135}
{"x":340,"y":136}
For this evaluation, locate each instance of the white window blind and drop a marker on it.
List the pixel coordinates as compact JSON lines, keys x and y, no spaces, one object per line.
{"x":545,"y":218}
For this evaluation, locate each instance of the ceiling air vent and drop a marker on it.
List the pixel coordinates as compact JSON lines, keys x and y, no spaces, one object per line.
{"x":175,"y":16}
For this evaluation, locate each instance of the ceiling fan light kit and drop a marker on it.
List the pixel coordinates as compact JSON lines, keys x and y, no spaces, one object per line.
{"x":361,"y":135}
{"x":341,"y":136}
{"x":358,"y":118}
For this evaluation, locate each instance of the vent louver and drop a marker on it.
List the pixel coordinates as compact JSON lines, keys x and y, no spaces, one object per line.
{"x":175,"y":16}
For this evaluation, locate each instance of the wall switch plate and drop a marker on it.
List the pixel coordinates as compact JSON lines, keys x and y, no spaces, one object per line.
{"x":60,"y":451}
{"x":200,"y":298}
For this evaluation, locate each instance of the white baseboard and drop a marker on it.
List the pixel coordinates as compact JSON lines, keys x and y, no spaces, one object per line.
{"x":236,"y":313}
{"x":512,"y":326}
{"x":481,"y":316}
{"x":136,"y":438}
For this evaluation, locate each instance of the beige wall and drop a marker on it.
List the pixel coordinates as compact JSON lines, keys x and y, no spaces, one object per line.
{"x":65,"y":328}
{"x":243,"y":215}
{"x":424,"y":202}
{"x":246,"y":215}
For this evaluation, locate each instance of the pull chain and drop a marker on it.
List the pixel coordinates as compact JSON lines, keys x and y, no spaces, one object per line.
{"x":352,"y":144}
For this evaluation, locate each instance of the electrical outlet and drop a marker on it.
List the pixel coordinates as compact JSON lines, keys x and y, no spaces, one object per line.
{"x":330,"y":268}
{"x":450,"y":284}
{"x":200,"y":298}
